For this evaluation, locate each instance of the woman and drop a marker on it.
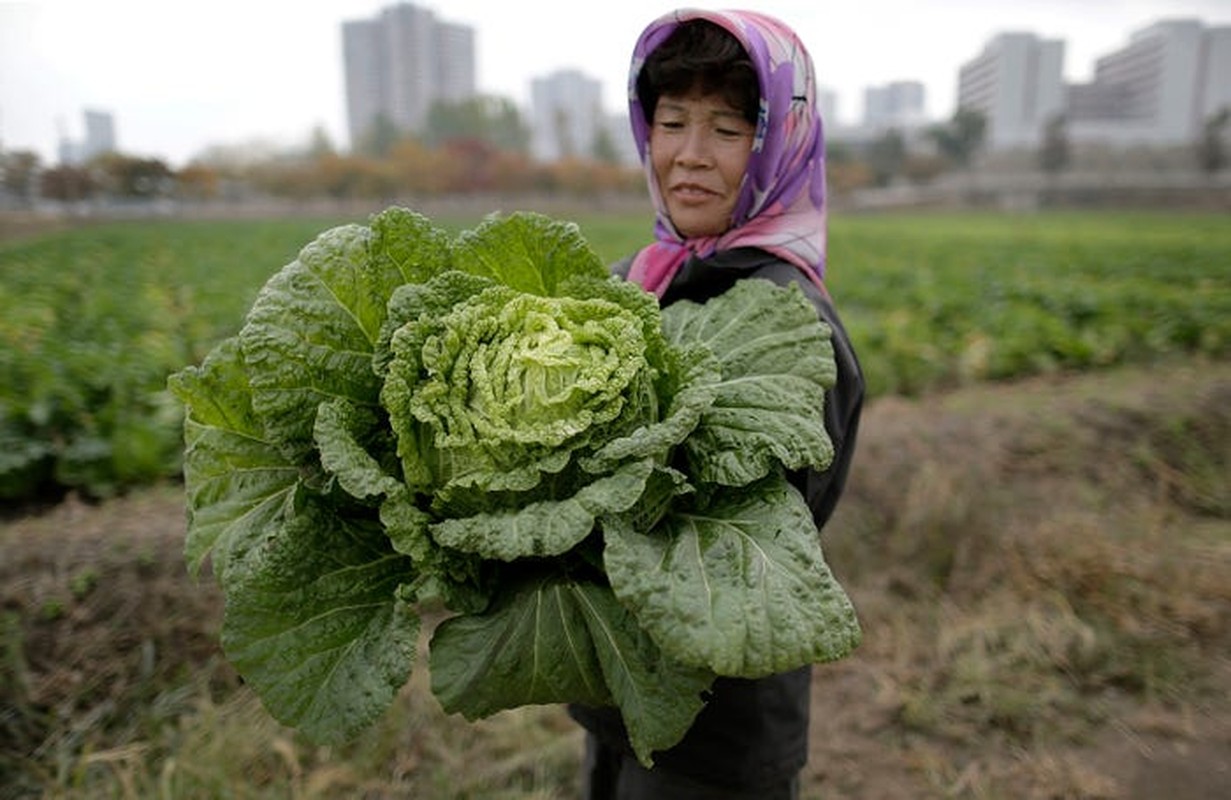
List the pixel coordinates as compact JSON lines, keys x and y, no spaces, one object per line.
{"x":723,"y":110}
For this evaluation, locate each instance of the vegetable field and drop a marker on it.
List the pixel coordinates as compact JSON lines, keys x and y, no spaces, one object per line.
{"x":93,"y":320}
{"x":1035,"y":534}
{"x":933,"y":302}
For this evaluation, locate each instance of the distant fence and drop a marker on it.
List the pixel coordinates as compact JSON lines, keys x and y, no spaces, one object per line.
{"x":980,"y":190}
{"x":1034,"y":190}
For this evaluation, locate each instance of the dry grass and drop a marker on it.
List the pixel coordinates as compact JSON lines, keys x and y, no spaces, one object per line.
{"x":1043,"y":571}
{"x":1040,"y":568}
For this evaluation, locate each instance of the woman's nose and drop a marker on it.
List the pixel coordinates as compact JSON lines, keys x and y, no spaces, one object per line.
{"x":694,"y":149}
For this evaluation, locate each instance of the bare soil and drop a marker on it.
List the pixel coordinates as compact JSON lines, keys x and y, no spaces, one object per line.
{"x":98,"y":614}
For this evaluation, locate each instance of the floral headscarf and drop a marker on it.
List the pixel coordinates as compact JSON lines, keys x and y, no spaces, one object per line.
{"x":781,"y":204}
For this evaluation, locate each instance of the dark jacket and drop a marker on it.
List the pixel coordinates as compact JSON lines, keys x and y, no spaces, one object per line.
{"x":752,"y":732}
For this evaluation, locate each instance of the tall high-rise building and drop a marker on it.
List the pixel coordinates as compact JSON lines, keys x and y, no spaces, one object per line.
{"x":1216,"y":82}
{"x":899,"y":105}
{"x":1017,"y":83}
{"x":99,"y":133}
{"x":827,"y":101}
{"x":99,"y":138}
{"x":1158,"y":89}
{"x":401,"y":62}
{"x":566,"y":115}
{"x":455,"y":62}
{"x":365,"y":77}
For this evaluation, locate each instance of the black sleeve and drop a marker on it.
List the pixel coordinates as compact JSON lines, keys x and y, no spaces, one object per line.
{"x":843,"y":403}
{"x":621,"y":267}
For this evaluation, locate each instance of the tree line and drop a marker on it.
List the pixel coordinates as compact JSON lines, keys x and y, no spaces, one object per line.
{"x":457,"y":166}
{"x":478,"y":145}
{"x":482,"y":145}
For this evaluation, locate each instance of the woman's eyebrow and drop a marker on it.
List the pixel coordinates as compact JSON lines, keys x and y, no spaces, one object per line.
{"x":713,"y":113}
{"x":670,"y":106}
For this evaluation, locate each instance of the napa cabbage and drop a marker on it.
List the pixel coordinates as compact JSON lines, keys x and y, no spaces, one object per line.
{"x":591,"y":488}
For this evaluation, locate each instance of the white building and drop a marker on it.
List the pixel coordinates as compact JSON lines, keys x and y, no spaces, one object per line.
{"x":827,"y":103}
{"x":1216,"y":87}
{"x":455,"y":62}
{"x":566,"y":115}
{"x":401,"y":62}
{"x":1159,"y":89}
{"x":894,"y":106}
{"x":99,"y":133}
{"x":622,"y":138}
{"x":1017,"y":83}
{"x":99,"y":138}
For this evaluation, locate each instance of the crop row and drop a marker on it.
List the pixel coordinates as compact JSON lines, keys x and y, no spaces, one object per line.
{"x":935,"y":301}
{"x":92,"y":320}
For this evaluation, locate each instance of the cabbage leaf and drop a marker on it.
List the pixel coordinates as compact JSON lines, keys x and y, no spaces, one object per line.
{"x":738,"y":587}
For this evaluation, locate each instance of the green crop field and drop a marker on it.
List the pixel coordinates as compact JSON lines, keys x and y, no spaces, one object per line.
{"x":932,"y":302}
{"x":93,"y":319}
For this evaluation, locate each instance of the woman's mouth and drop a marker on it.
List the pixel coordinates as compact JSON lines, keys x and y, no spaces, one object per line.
{"x":692,"y":192}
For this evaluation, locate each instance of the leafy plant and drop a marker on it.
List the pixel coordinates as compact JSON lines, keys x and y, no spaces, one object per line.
{"x":92,"y":320}
{"x":595,"y":489}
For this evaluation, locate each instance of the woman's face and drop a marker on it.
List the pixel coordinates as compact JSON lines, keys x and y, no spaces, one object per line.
{"x":699,"y":148}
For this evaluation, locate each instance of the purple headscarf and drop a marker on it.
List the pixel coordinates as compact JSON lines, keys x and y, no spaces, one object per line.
{"x":781,"y":203}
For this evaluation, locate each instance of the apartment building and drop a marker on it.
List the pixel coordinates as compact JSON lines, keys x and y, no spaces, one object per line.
{"x":402,"y":61}
{"x":1017,"y":83}
{"x":897,"y":105}
{"x":99,"y":138}
{"x":1158,"y":89}
{"x":566,"y":115}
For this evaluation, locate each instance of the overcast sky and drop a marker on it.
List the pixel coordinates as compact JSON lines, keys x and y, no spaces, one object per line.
{"x":181,"y":76}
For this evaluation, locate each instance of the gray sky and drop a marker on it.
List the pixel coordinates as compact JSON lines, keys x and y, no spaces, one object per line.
{"x":180,"y":76}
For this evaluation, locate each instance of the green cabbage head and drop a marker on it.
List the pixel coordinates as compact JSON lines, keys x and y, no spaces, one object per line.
{"x":593,"y":489}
